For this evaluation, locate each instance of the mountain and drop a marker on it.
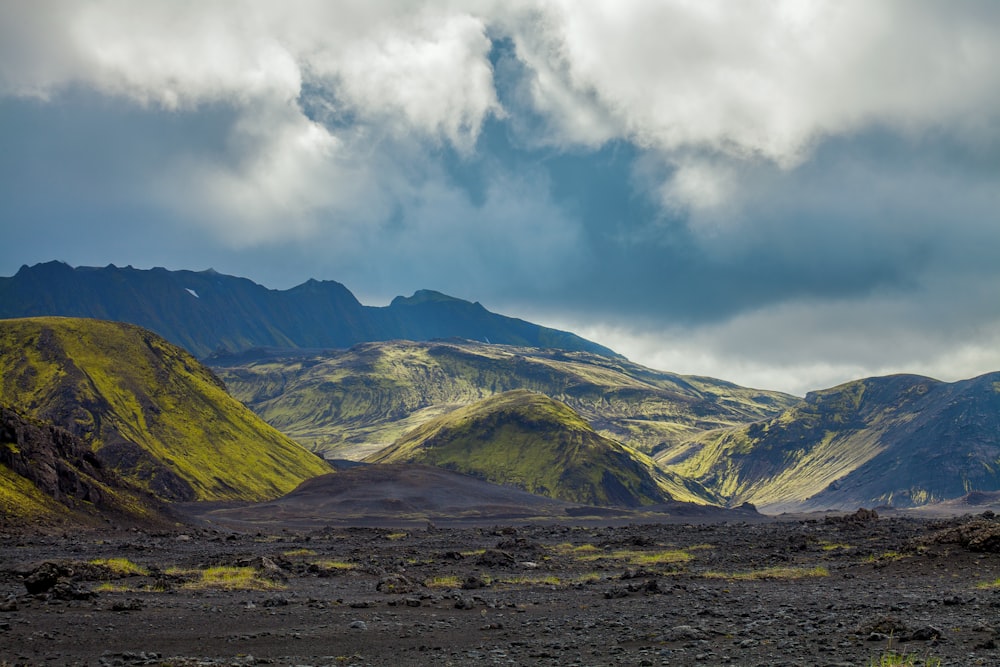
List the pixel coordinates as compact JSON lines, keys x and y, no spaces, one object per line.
{"x":205,"y":311}
{"x":48,"y":476}
{"x":901,"y":440}
{"x":148,"y":410}
{"x":532,"y":442}
{"x":348,"y":404}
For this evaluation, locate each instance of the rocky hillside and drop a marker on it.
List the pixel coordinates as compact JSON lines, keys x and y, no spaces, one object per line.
{"x":902,"y":440}
{"x":49,"y":477}
{"x":352,"y":403}
{"x":531,"y":442}
{"x":148,"y":410}
{"x":205,"y":311}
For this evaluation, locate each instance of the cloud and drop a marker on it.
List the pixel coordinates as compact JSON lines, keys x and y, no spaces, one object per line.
{"x":806,"y":345}
{"x":703,"y":174}
{"x":755,"y":79}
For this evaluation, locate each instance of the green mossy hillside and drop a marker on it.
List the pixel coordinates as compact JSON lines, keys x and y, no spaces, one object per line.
{"x":901,"y":440}
{"x":360,"y":400}
{"x":532,"y":442}
{"x":148,"y":409}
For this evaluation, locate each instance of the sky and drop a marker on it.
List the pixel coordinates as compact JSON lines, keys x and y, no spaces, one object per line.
{"x":784,"y":194}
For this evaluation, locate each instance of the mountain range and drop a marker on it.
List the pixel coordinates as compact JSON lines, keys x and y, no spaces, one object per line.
{"x":109,"y":418}
{"x":205,"y":311}
{"x":352,"y":403}
{"x":900,"y":440}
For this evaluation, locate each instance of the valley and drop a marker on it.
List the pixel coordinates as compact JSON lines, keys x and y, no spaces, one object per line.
{"x":454,"y":501}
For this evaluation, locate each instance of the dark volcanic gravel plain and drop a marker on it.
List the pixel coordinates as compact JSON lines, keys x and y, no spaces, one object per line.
{"x":814,"y":591}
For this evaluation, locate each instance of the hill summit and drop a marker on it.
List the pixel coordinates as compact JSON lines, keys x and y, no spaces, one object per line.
{"x":530,"y":441}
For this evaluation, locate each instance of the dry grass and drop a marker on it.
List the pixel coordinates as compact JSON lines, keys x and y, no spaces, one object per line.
{"x":299,"y":552}
{"x":121,"y":567}
{"x":989,"y":584}
{"x":450,"y":581}
{"x":335,"y":564}
{"x":228,"y":579}
{"x":770,"y":573}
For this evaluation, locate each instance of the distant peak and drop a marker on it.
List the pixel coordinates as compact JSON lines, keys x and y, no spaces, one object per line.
{"x":425,"y":296}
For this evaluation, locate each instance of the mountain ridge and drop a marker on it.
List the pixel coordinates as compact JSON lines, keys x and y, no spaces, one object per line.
{"x":901,"y":440}
{"x":369,"y":395}
{"x":205,"y":311}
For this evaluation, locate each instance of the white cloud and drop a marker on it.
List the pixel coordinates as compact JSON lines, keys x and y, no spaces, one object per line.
{"x":336,"y":116}
{"x":415,"y":74}
{"x":755,"y":80}
{"x":808,"y":345}
{"x":430,"y":75}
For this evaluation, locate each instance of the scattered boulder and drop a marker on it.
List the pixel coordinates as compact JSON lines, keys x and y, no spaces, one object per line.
{"x":44,"y":577}
{"x":473,"y":582}
{"x":981,"y":535}
{"x":397,"y":583}
{"x":862,"y":517}
{"x":496,"y":558}
{"x":681,"y":633}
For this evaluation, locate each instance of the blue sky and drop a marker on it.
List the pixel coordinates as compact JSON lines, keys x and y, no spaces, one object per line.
{"x":783,"y":194}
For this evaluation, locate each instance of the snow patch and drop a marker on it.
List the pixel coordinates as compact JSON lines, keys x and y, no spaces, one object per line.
{"x":192,"y":292}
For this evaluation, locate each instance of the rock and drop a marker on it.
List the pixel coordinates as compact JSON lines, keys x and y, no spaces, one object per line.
{"x":979,"y":535}
{"x":472,"y":582}
{"x":464,"y":603}
{"x":269,"y":569}
{"x":44,"y":577}
{"x":496,"y":558}
{"x":67,"y":590}
{"x":924,"y":634}
{"x":275,"y":601}
{"x":684,"y":633}
{"x":887,"y":626}
{"x":358,"y":625}
{"x":396,"y":583}
{"x":127,"y":605}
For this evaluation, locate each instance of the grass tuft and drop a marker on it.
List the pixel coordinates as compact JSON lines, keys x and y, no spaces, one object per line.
{"x":771,"y":573}
{"x":299,"y":552}
{"x":231,"y":579}
{"x":121,"y":567}
{"x":335,"y":565}
{"x":449,"y":581}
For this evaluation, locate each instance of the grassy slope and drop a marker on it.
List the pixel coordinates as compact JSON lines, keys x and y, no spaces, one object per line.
{"x":52,"y":477}
{"x":21,"y":502}
{"x":374,"y":393}
{"x":110,"y":382}
{"x":903,"y":439}
{"x":530,"y":441}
